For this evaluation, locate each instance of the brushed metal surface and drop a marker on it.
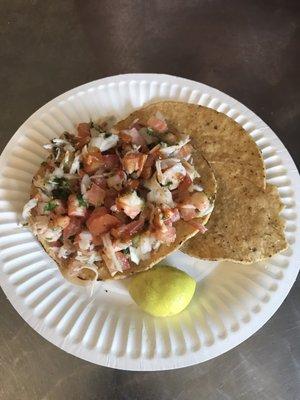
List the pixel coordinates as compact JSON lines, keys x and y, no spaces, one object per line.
{"x":249,"y":50}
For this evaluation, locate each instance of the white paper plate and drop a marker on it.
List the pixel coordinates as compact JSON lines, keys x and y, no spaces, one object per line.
{"x":231,"y":302}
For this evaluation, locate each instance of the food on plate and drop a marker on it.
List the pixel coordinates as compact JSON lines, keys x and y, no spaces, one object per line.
{"x":163,"y":291}
{"x":245,"y":226}
{"x":214,"y":134}
{"x":109,"y":202}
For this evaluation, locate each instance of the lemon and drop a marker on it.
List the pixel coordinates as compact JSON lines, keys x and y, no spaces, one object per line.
{"x":162,"y":291}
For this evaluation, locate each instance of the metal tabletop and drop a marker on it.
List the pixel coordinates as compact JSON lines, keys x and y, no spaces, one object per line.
{"x":248,"y":49}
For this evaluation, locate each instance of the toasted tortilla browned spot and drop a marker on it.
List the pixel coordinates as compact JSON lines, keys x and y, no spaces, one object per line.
{"x":245,"y":226}
{"x":184,"y":231}
{"x":216,"y":136}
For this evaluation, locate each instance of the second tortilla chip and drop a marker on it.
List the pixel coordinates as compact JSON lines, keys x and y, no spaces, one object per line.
{"x":245,"y":226}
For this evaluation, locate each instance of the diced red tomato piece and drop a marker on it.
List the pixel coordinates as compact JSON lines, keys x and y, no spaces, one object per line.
{"x":92,"y":161}
{"x":125,"y":137}
{"x":123,"y":260}
{"x":95,"y":195}
{"x":110,"y":161}
{"x":75,"y":208}
{"x":185,"y":184}
{"x":100,"y":181}
{"x":84,"y":134}
{"x":157,"y":124}
{"x":101,"y":222}
{"x":149,"y":163}
{"x":110,"y":198}
{"x":128,"y":230}
{"x":74,"y":227}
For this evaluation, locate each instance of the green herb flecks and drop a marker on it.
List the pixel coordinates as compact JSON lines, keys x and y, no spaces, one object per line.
{"x":126,"y":251}
{"x":150,"y":131}
{"x":50,"y":206}
{"x":81,"y":201}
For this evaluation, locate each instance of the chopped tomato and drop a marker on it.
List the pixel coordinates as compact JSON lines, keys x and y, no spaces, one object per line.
{"x":128,"y":230}
{"x":157,"y":124}
{"x":134,"y":162}
{"x":110,"y":198}
{"x":110,"y":161}
{"x":101,"y":222}
{"x":147,"y":169}
{"x":73,"y":227}
{"x":95,"y":195}
{"x":92,"y":161}
{"x":55,"y":244}
{"x":125,"y":137}
{"x":84,"y":134}
{"x":76,"y":206}
{"x":185,"y":184}
{"x":123,"y":260}
{"x":61,"y":221}
{"x":100,"y":181}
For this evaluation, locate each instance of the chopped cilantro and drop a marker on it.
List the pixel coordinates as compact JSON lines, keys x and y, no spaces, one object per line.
{"x":126,"y":251}
{"x":91,"y":124}
{"x":150,"y":131}
{"x":107,"y":135}
{"x":50,"y":206}
{"x":168,"y":184}
{"x":81,"y":201}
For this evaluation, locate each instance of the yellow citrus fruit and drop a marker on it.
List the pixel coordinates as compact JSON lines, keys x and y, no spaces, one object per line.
{"x":162,"y":291}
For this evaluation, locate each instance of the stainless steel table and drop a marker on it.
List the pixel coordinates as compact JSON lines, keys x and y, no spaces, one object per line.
{"x":250,"y":50}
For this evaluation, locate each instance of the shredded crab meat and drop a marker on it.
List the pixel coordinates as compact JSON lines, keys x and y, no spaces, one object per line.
{"x":172,"y":174}
{"x":32,"y":203}
{"x":158,"y":194}
{"x":114,"y":265}
{"x":104,"y":143}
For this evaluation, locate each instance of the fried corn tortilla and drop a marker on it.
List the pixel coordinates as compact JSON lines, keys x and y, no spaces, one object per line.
{"x":245,"y":226}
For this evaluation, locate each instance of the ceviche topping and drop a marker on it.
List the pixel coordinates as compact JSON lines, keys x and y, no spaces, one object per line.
{"x":114,"y":197}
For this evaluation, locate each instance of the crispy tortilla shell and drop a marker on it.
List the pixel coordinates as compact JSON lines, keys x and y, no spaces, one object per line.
{"x":245,"y":226}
